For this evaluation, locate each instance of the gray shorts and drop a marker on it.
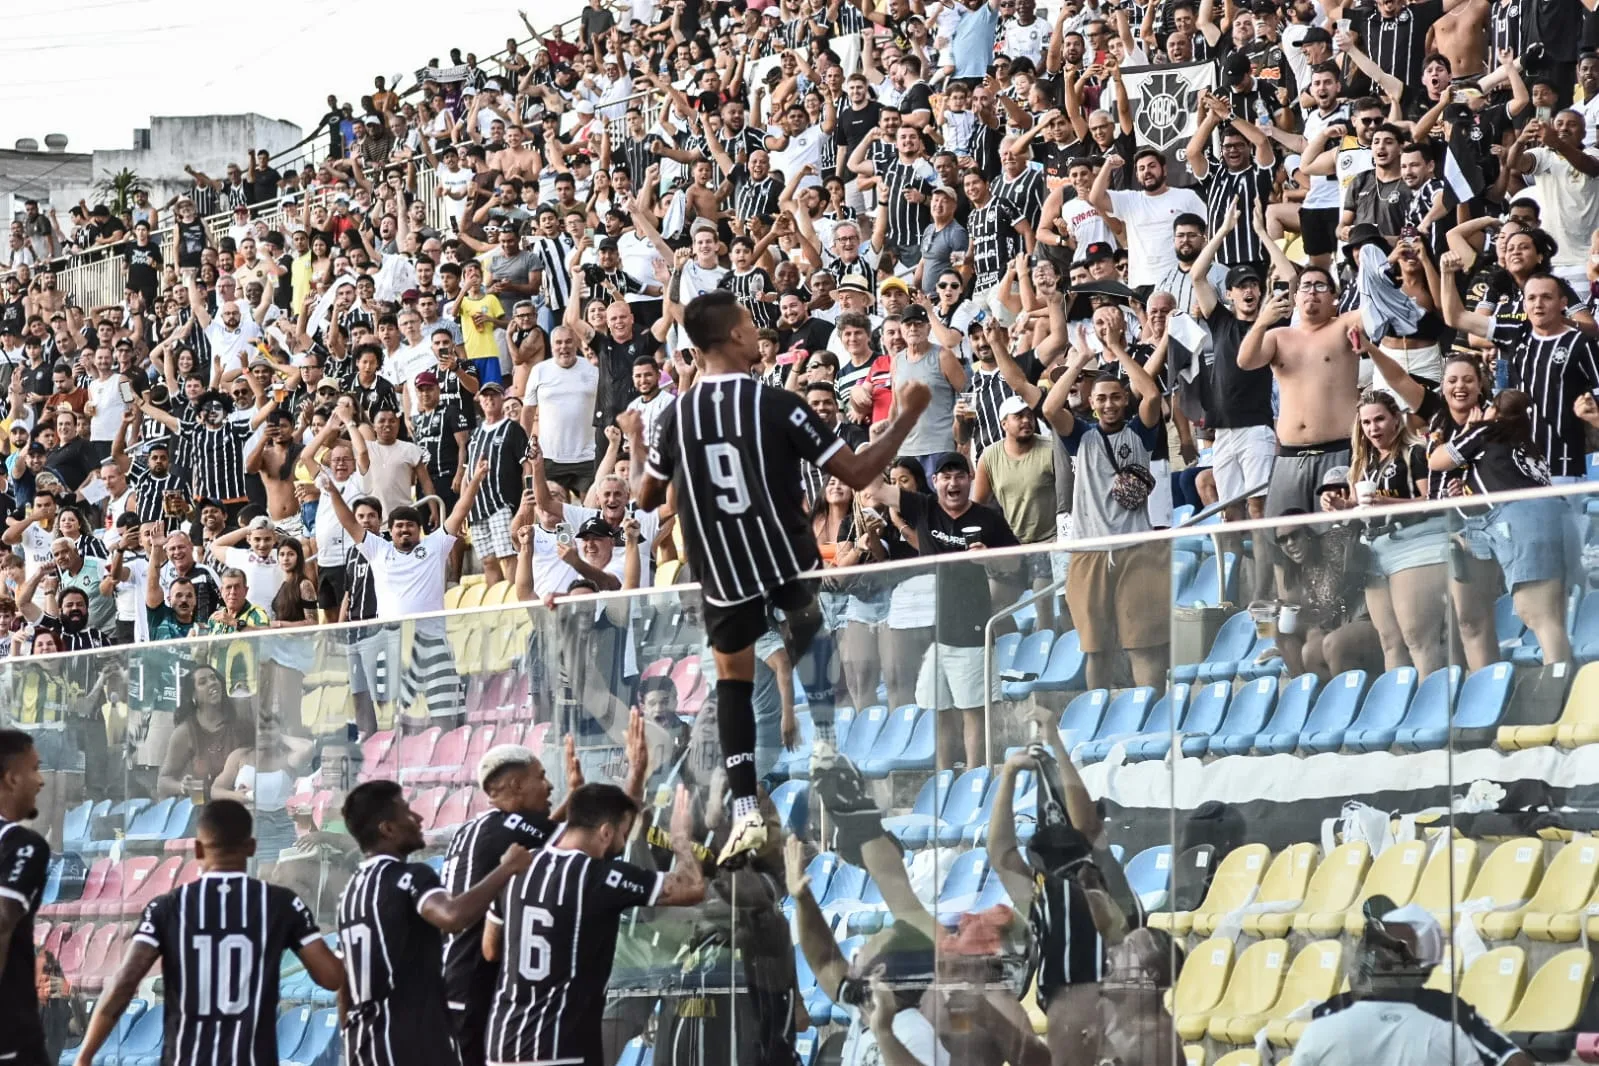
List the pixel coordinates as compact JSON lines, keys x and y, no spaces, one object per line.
{"x":1297,"y":474}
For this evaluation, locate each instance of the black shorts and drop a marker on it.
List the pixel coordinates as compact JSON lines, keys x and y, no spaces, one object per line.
{"x":1318,"y":230}
{"x":330,"y":589}
{"x":732,"y":629}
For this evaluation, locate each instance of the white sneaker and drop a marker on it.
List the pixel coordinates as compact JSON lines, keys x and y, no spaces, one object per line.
{"x":823,"y":757}
{"x":748,"y":836}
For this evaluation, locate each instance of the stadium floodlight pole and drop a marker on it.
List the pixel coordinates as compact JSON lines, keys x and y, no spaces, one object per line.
{"x":988,"y":661}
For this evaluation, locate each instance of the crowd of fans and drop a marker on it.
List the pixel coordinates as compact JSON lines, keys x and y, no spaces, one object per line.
{"x":1369,"y":266}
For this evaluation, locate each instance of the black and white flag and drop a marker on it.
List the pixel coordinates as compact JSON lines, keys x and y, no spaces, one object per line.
{"x":1166,"y":103}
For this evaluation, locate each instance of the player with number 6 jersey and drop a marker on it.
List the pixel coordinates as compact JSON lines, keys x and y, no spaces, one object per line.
{"x":392,"y":918}
{"x":220,"y":941}
{"x":553,"y":931}
{"x":734,"y":449}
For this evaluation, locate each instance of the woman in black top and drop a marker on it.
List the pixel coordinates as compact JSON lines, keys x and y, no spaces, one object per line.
{"x":1534,"y":542}
{"x":1410,"y":552}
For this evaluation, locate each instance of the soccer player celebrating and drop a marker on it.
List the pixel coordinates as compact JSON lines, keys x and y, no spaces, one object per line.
{"x":24,"y":860}
{"x":734,"y":448}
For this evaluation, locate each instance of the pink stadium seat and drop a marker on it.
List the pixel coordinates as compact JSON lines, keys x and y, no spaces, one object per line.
{"x":659,"y":668}
{"x":426,"y":805}
{"x":447,"y":757}
{"x":74,"y":949}
{"x":454,"y":810}
{"x":686,"y":676}
{"x":378,"y":756}
{"x":103,"y":957}
{"x":692,"y":703}
{"x":476,"y":701}
{"x":416,"y":751}
{"x":41,"y":933}
{"x":57,"y":937}
{"x":110,"y":901}
{"x":483,"y":738}
{"x":534,"y":740}
{"x":93,"y":885}
{"x":480,"y":805}
{"x":189,"y":874}
{"x":142,"y":888}
{"x":1588,"y":1047}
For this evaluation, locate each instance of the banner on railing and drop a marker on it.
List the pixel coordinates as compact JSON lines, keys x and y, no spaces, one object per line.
{"x":442,"y":75}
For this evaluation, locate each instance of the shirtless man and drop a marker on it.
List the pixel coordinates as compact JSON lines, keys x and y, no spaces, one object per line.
{"x":273,"y":457}
{"x":1461,"y":37}
{"x":1317,"y":372}
{"x":518,"y":159}
{"x":704,"y":198}
{"x":49,"y":300}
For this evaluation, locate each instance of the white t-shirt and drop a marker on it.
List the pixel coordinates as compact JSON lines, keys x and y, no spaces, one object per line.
{"x":1570,"y":202}
{"x":649,"y":524}
{"x":651,"y":410}
{"x":551,"y":574}
{"x":262,"y":577}
{"x":565,"y":399}
{"x":455,"y":181}
{"x":910,"y":1028}
{"x":130,"y":597}
{"x":232,"y":348}
{"x":407,"y":362}
{"x":108,"y":407}
{"x":1087,"y":224}
{"x":1398,"y":1034}
{"x":332,"y":543}
{"x":1325,"y":191}
{"x":409,"y":582}
{"x":1150,"y":252}
{"x":803,"y":147}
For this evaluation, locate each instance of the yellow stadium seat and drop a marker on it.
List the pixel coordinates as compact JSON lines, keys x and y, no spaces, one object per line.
{"x":668,"y":573}
{"x":1203,"y":978}
{"x":311,"y":708}
{"x":1035,"y":1013}
{"x":467,"y":580}
{"x":1285,"y":882}
{"x":452,"y":596}
{"x":1312,"y":977}
{"x":1394,"y":874}
{"x":1509,"y":874}
{"x":1231,"y":886}
{"x":499,"y":594}
{"x":1193,"y":1055}
{"x":1555,"y":996}
{"x":1241,"y":1057}
{"x":1332,"y":888}
{"x":1432,"y":891}
{"x":1493,"y":983}
{"x":1578,"y":723}
{"x":1554,"y":913}
{"x":1256,"y":979}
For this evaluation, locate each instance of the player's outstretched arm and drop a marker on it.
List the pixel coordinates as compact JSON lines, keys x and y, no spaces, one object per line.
{"x":452,"y":914}
{"x":323,"y":966}
{"x":865,"y":468}
{"x":685,"y":885}
{"x":114,"y":1000}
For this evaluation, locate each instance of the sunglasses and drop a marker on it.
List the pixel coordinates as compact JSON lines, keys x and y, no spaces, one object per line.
{"x":948,"y":285}
{"x":1314,"y":286}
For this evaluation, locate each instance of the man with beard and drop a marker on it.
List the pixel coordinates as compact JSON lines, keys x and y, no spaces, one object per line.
{"x":1238,"y":401}
{"x":1148,"y":214}
{"x":24,"y":862}
{"x":75,"y":571}
{"x":1188,"y":240}
{"x":1243,"y":180}
{"x":552,"y":1011}
{"x":71,"y":625}
{"x":1379,"y":195}
{"x":215,"y":445}
{"x":159,"y":480}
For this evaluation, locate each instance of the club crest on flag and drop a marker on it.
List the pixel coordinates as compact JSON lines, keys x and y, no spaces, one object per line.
{"x":1166,"y":100}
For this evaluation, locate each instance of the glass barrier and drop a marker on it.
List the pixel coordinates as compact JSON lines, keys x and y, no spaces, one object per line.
{"x":1123,"y":801}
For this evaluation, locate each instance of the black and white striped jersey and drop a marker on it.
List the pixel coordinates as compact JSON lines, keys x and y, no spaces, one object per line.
{"x":865,"y":265}
{"x":1026,"y":191}
{"x":1509,"y":28}
{"x":215,"y":458}
{"x":552,"y":251}
{"x":747,"y":288}
{"x":1399,"y":45}
{"x":733,"y":448}
{"x":906,"y":219}
{"x":995,"y":241}
{"x":149,"y":494}
{"x":504,"y":445}
{"x":435,"y":433}
{"x":474,"y":853}
{"x":393,"y":967}
{"x":752,"y":199}
{"x":360,"y":589}
{"x":24,"y":865}
{"x":1223,"y":189}
{"x":1553,"y":372}
{"x":636,"y":154}
{"x":558,"y":922}
{"x":1069,"y":949}
{"x":222,"y":940}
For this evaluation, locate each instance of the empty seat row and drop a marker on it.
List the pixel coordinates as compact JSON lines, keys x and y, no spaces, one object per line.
{"x":122,"y":887}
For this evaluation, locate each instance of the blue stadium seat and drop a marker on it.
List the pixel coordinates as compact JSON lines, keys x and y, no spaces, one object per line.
{"x":962,"y":884}
{"x":1246,"y":716}
{"x":321,"y":1044}
{"x":890,"y":741}
{"x":177,"y":824}
{"x":1080,"y":720}
{"x":1201,"y":589}
{"x":820,"y":870}
{"x":75,"y":827}
{"x":792,"y":800}
{"x":1508,"y":626}
{"x":848,"y":882}
{"x":1378,"y":726}
{"x":914,"y":828}
{"x":976,"y":825}
{"x":292,"y":1025}
{"x":1294,"y":701}
{"x":797,"y":763}
{"x":117,"y":816}
{"x":1005,"y":647}
{"x":436,"y":863}
{"x":1149,"y":875}
{"x":635,"y":1053}
{"x":1201,"y":544}
{"x":1164,"y":717}
{"x":921,"y":751}
{"x":806,"y":1044}
{"x":1123,"y":718}
{"x":1529,"y":651}
{"x":1390,"y":695}
{"x":1064,"y":671}
{"x":107,"y":1055}
{"x":1028,"y":665}
{"x":1204,"y":715}
{"x":1585,"y":631}
{"x":150,"y":824}
{"x":1184,"y":563}
{"x":965,"y":800}
{"x":1334,"y":709}
{"x":1478,"y":709}
{"x":863,"y":734}
{"x":1233,"y":641}
{"x":868,"y":916}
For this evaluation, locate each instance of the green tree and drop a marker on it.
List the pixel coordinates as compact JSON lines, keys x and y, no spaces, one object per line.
{"x":117,"y":190}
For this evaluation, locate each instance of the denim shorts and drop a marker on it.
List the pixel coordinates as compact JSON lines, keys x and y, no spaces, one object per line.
{"x":1531,"y":540}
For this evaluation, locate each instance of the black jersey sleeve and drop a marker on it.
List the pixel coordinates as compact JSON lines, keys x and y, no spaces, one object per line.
{"x":289,"y":912}
{"x":621,"y":885}
{"x":24,"y":862}
{"x":809,"y":438}
{"x":663,"y":458}
{"x":154,"y":922}
{"x":418,"y":881}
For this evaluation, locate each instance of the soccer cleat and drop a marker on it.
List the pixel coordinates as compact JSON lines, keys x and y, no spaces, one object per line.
{"x":748,"y":836}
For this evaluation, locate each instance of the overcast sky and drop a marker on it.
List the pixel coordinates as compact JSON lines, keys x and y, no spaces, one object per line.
{"x":97,"y":69}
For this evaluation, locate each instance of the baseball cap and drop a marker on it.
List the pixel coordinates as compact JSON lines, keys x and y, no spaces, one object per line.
{"x":499,"y":757}
{"x":1336,"y":478}
{"x":426,"y":380}
{"x":597,"y":527}
{"x":410,"y":296}
{"x":1013,"y":405}
{"x":854,"y":283}
{"x":1428,"y":934}
{"x":1097,"y":251}
{"x":1314,"y":35}
{"x":951,"y":461}
{"x":914,"y":313}
{"x":491,"y":386}
{"x":893,"y":283}
{"x":260,"y":522}
{"x":1241,"y":274}
{"x":608,"y":245}
{"x":583,"y":107}
{"x":1237,"y":69}
{"x":946,"y":190}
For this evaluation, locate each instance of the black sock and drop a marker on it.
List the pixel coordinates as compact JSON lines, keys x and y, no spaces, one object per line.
{"x":735,"y":727}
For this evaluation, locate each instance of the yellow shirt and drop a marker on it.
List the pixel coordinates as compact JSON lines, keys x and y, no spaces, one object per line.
{"x":480,"y":342}
{"x":300,"y":280}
